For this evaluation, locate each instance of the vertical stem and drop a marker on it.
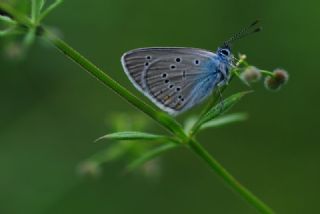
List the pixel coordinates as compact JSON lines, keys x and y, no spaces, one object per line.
{"x":228,"y":178}
{"x":34,"y":10}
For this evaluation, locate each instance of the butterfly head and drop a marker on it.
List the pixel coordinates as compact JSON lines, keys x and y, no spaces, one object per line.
{"x":225,"y":54}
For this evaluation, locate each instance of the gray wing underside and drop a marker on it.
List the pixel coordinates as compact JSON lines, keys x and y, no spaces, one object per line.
{"x":175,"y":79}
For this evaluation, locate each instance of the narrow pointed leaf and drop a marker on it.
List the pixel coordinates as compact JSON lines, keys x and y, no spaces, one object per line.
{"x":7,"y":20}
{"x":131,"y":135}
{"x":219,"y":109}
{"x":225,"y":120}
{"x":112,"y":153}
{"x":7,"y":31}
{"x":36,"y":9}
{"x":49,"y":9}
{"x":92,"y":165}
{"x":150,"y":155}
{"x":41,"y":4}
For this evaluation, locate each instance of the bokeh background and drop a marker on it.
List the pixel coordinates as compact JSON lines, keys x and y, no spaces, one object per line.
{"x":51,"y":111}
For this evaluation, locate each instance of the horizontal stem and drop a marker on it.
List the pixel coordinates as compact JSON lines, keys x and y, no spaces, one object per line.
{"x":268,"y":73}
{"x":228,"y":178}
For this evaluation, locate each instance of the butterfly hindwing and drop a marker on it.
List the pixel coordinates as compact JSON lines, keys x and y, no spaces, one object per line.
{"x":175,"y":79}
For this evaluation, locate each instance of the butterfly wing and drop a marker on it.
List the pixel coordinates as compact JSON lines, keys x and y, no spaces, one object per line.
{"x":175,"y":79}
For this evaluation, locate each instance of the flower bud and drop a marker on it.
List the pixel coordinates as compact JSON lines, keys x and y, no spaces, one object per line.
{"x":251,"y":74}
{"x":89,"y":169}
{"x":152,"y":169}
{"x":14,"y":51}
{"x":275,"y":82}
{"x":242,"y":58}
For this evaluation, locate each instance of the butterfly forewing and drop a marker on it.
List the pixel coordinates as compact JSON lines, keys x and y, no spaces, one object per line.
{"x":172,"y":78}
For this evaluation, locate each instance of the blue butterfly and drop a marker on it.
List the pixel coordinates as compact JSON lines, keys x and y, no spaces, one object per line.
{"x":178,"y":78}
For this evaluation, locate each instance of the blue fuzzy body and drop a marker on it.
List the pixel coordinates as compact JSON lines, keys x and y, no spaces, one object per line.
{"x":217,"y":75}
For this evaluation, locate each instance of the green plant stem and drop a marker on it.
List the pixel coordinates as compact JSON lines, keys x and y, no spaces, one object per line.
{"x":34,"y":10}
{"x":228,"y":178}
{"x":48,"y":10}
{"x":160,"y":117}
{"x":268,"y":73}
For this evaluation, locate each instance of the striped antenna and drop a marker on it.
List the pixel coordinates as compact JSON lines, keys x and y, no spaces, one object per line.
{"x":252,"y":28}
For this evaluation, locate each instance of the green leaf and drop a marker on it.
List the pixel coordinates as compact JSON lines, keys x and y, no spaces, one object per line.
{"x":218,"y":109}
{"x":41,"y":4}
{"x":224,"y":120}
{"x":7,"y":31}
{"x":114,"y":152}
{"x":131,"y":135}
{"x":151,"y":155}
{"x":8,"y":26}
{"x":36,"y":6}
{"x":49,"y":9}
{"x":92,"y":165}
{"x":7,"y":20}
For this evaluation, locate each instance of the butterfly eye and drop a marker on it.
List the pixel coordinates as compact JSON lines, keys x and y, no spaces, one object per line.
{"x":225,"y":52}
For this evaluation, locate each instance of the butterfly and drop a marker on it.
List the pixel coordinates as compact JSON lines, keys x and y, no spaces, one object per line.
{"x":177,"y":78}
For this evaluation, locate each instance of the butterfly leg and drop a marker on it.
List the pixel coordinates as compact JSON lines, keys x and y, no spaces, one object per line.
{"x":221,"y":100}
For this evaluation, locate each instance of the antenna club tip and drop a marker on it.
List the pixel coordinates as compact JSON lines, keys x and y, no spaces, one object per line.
{"x":258,"y":29}
{"x":255,"y":22}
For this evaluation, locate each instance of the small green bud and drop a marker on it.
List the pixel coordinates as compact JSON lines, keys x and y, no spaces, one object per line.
{"x":242,"y":58}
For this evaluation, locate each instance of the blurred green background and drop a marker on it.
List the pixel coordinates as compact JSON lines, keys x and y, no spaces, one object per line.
{"x":51,"y":111}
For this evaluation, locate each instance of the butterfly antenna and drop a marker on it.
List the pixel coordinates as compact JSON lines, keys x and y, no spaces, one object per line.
{"x":252,"y":28}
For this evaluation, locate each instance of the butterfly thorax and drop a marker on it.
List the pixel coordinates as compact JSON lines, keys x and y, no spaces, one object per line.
{"x":224,"y":58}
